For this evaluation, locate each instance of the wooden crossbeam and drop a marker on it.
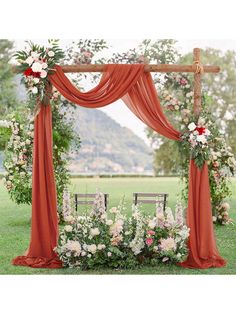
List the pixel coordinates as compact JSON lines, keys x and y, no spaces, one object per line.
{"x":148,"y":68}
{"x":192,"y":68}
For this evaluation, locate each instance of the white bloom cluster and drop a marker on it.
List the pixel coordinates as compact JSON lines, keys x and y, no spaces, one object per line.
{"x":67,"y":209}
{"x":5,"y":124}
{"x":120,"y":240}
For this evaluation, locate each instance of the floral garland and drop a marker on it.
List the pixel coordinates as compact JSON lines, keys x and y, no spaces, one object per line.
{"x":18,"y":160}
{"x":113,"y":240}
{"x":210,"y":146}
{"x":197,"y":137}
{"x":36,"y":64}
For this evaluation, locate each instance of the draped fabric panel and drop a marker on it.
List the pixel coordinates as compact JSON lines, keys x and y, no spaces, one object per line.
{"x":136,"y":88}
{"x":44,"y":228}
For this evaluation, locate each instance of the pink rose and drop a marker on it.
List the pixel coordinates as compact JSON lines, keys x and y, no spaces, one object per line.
{"x":149,"y":241}
{"x":151,"y":232}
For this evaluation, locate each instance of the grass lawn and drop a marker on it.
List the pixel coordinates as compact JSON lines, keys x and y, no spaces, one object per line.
{"x":15,"y":227}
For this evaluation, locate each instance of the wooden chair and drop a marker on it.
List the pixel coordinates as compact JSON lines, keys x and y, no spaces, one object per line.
{"x":88,"y":199}
{"x":160,"y":198}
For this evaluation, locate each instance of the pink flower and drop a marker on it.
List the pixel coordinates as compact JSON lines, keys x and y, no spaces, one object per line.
{"x":149,"y":241}
{"x":151,"y":232}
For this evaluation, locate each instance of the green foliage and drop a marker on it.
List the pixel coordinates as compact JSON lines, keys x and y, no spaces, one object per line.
{"x":7,"y":86}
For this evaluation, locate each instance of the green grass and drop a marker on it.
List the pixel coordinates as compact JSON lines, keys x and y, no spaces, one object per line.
{"x":15,"y":227}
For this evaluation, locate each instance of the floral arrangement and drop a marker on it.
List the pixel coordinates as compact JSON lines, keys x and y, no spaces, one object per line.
{"x":18,"y":160}
{"x":36,"y":64}
{"x":114,"y":240}
{"x":198,"y":138}
{"x":19,"y":149}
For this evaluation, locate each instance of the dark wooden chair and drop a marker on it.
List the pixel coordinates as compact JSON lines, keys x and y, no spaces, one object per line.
{"x":140,"y":197}
{"x":88,"y":199}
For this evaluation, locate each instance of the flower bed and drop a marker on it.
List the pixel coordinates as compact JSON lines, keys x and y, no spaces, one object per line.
{"x":114,"y":240}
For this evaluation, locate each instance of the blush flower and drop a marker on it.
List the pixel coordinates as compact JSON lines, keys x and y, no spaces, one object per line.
{"x":149,"y":241}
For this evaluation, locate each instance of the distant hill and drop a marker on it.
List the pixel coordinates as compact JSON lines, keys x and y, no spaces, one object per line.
{"x":107,"y":146}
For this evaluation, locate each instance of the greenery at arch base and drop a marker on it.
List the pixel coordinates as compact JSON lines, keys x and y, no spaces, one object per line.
{"x":175,"y":91}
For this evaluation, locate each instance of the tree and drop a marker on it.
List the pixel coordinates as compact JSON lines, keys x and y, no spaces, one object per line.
{"x":7,"y":85}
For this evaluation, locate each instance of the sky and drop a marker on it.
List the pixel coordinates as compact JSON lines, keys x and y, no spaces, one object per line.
{"x":118,"y":111}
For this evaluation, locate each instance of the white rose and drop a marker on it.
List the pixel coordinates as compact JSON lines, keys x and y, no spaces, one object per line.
{"x":36,"y":80}
{"x":22,"y":174}
{"x":94,"y":232}
{"x":69,"y":218}
{"x":201,"y":138}
{"x":192,"y":126}
{"x":27,"y":142}
{"x":44,"y":65}
{"x":92,"y":248}
{"x":34,"y":90}
{"x":83,"y":253}
{"x":101,"y":247}
{"x":176,"y":107}
{"x":213,"y":218}
{"x":29,"y":60}
{"x":34,"y":54}
{"x":109,"y":222}
{"x":37,"y":67}
{"x":109,"y":254}
{"x":51,"y":53}
{"x":68,"y":228}
{"x":43,"y":74}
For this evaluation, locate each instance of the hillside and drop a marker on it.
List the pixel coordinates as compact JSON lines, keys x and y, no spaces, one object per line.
{"x":108,"y":147}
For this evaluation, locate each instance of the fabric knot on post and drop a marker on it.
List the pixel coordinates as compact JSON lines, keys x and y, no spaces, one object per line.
{"x":199,"y":67}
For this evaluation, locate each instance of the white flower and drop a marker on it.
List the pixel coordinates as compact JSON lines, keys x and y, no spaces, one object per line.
{"x":4,"y":124}
{"x":83,"y":253}
{"x":165,"y":259}
{"x":201,"y":138}
{"x":192,"y":126}
{"x":36,"y":80}
{"x":152,"y":224}
{"x":101,"y":247}
{"x":34,"y":54}
{"x":92,"y":248}
{"x":69,"y":218}
{"x":94,"y":232}
{"x":109,"y":254}
{"x":167,"y":244}
{"x":113,"y":210}
{"x":34,"y":90}
{"x":51,"y":53}
{"x":226,"y":206}
{"x":22,"y":173}
{"x":43,"y":74}
{"x":36,"y":67}
{"x":29,"y":60}
{"x":27,"y":142}
{"x":109,"y":222}
{"x":68,"y":228}
{"x":73,"y":246}
{"x":214,"y":218}
{"x":44,"y":65}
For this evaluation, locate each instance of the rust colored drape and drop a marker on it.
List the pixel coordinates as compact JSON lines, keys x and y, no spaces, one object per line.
{"x":137,"y":90}
{"x":44,"y":228}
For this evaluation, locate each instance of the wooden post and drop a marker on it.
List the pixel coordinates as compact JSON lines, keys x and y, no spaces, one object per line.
{"x":197,"y":83}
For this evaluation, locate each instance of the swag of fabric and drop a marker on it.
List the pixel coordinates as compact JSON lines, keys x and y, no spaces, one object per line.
{"x":136,"y":88}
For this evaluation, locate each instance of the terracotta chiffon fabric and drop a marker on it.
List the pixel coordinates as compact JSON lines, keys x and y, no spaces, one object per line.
{"x":44,"y":228}
{"x":136,"y":88}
